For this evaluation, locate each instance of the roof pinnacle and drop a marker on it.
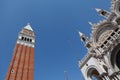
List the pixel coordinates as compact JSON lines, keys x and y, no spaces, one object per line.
{"x":80,"y":34}
{"x":98,"y":10}
{"x":102,"y":12}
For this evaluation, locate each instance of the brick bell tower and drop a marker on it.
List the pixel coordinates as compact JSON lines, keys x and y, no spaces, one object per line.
{"x":22,"y":63}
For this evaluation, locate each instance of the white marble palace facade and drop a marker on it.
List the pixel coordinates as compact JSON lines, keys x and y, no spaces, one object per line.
{"x":102,"y":61}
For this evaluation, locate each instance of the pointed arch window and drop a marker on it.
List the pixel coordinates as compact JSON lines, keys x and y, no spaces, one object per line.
{"x":93,"y":74}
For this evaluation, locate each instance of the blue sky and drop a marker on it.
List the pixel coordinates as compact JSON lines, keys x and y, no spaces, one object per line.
{"x":55,"y":23}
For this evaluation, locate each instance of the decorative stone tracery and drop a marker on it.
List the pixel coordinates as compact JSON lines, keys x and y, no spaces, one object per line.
{"x":104,"y":50}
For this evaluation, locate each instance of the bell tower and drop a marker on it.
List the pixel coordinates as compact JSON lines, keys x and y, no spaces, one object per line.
{"x":102,"y":61}
{"x":22,"y":64}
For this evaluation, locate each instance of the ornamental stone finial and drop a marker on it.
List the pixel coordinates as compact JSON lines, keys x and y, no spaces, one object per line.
{"x":85,"y":40}
{"x":102,"y":12}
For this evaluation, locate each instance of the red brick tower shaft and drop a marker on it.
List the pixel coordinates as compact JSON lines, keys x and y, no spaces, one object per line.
{"x":22,"y":63}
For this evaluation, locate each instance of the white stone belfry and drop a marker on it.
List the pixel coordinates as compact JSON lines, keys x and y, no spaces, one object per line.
{"x":26,"y":36}
{"x":102,"y":61}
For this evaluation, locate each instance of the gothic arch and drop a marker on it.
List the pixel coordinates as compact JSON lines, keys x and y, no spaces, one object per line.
{"x":102,"y":30}
{"x":93,"y":73}
{"x":115,"y":57}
